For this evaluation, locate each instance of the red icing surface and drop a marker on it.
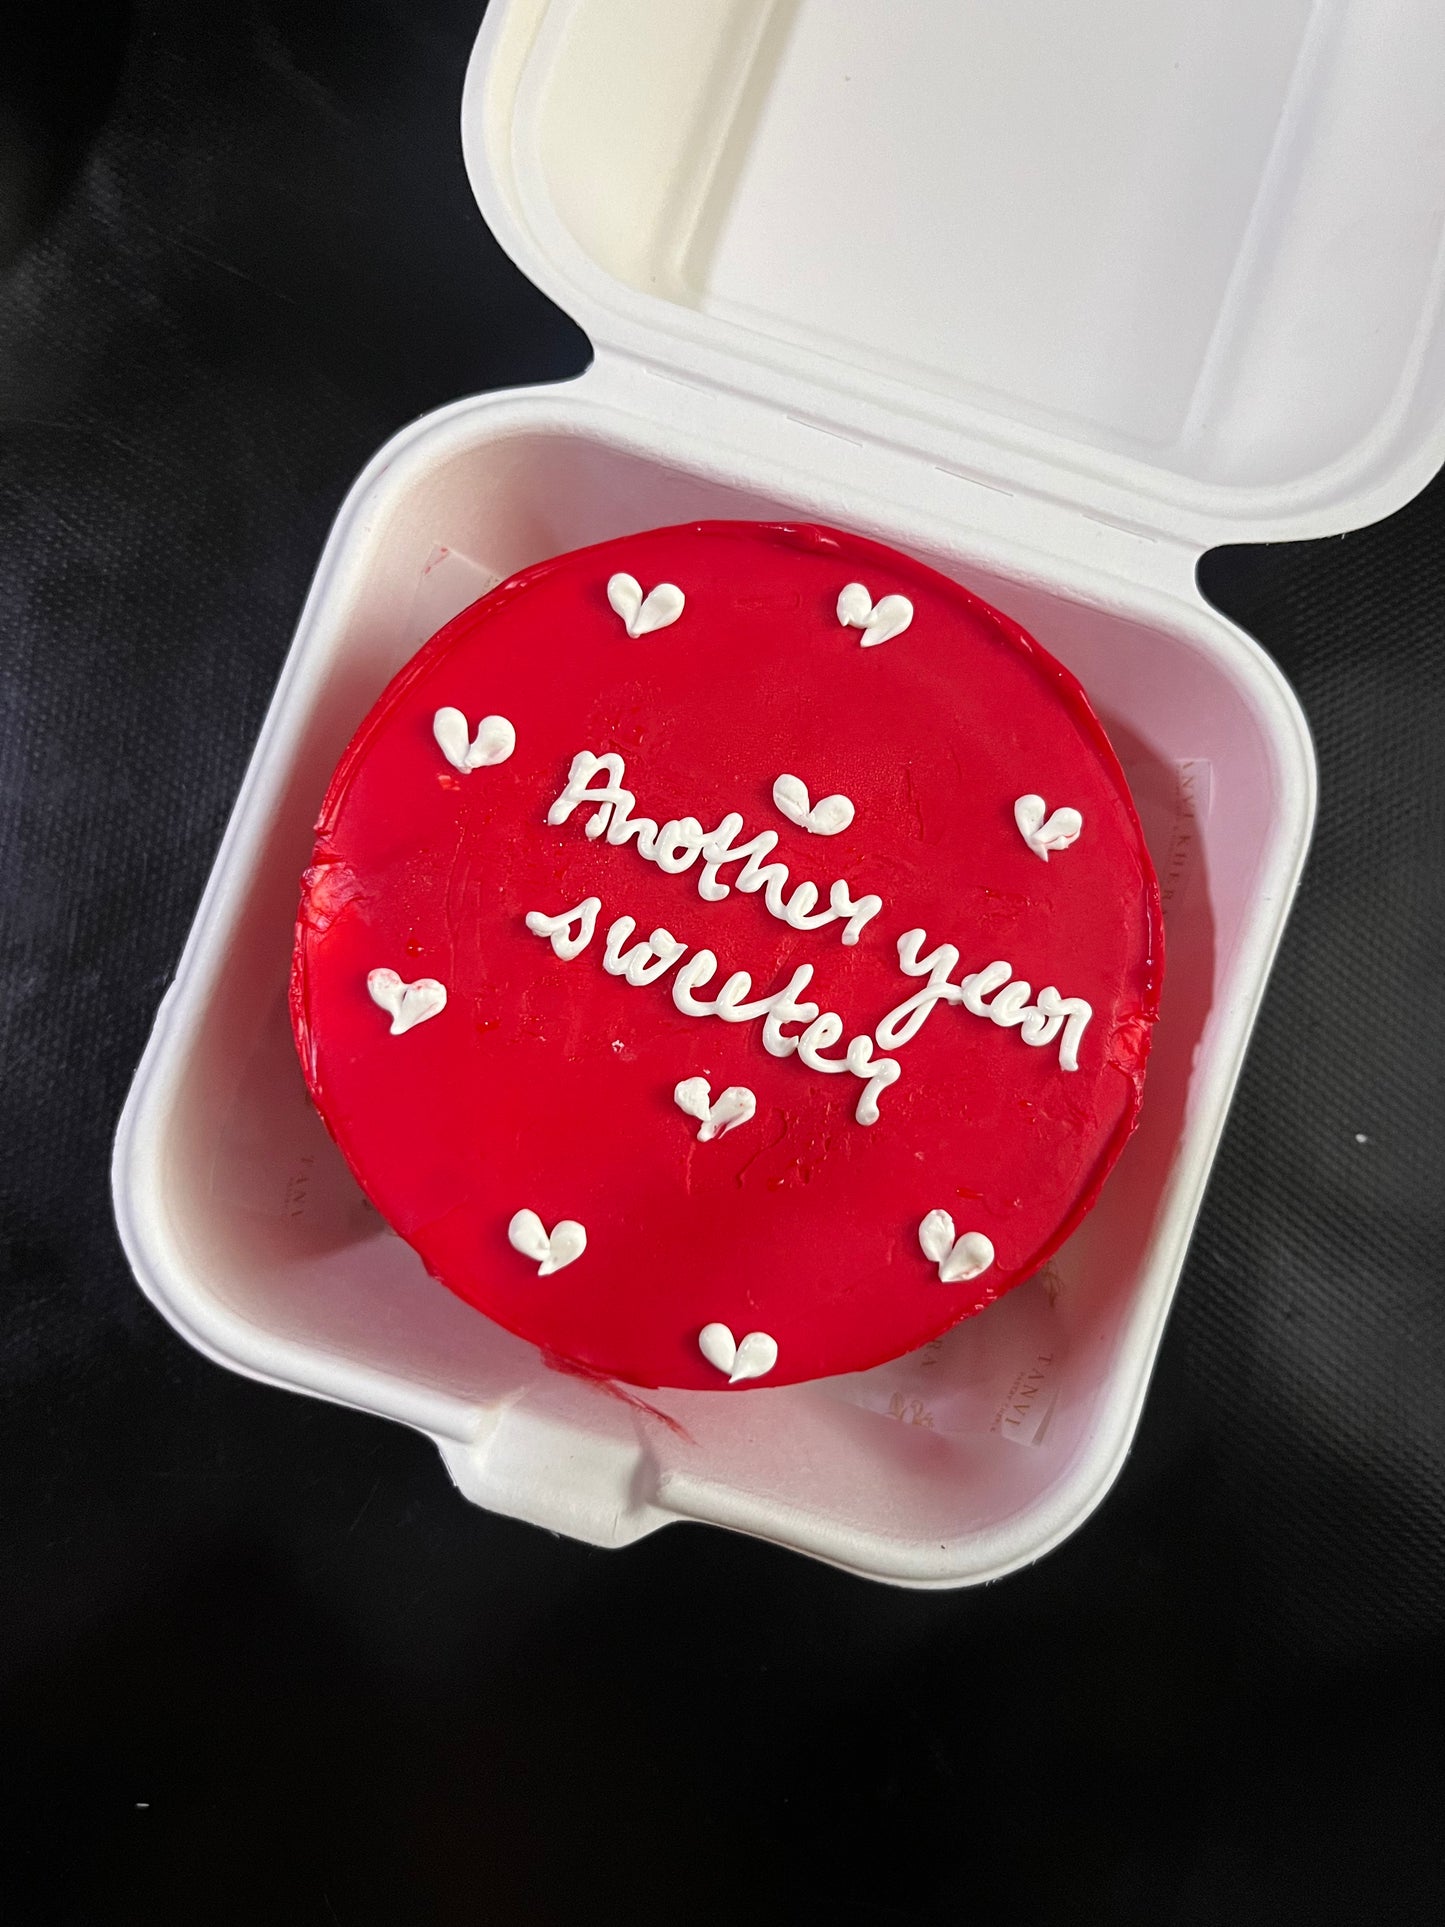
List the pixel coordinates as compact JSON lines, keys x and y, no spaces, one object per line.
{"x":547,"y":1084}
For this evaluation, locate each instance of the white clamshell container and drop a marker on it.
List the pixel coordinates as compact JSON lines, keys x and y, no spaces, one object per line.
{"x":1054,"y":297}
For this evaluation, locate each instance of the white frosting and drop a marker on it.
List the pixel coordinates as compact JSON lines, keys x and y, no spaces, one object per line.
{"x":408,"y":1004}
{"x":729,"y":1003}
{"x":857,"y":911}
{"x":559,"y":929}
{"x":658,"y":609}
{"x":550,"y":1250}
{"x":958,"y":1259}
{"x":905,"y":1020}
{"x":754,"y":1358}
{"x":821,"y":1034}
{"x":678,"y":844}
{"x":1057,"y":833}
{"x":983,"y":983}
{"x":1053,"y":1013}
{"x":644,"y":963}
{"x":787,"y":1010}
{"x":675,"y":845}
{"x":880,"y":1072}
{"x":493,"y":743}
{"x":824,"y":818}
{"x":1037,"y":1023}
{"x":880,"y":621}
{"x":735,"y":1106}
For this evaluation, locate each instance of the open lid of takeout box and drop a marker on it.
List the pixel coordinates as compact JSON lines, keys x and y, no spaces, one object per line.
{"x":1175,"y":263}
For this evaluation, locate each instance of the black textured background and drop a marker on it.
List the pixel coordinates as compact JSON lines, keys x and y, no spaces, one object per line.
{"x":258,"y":1662}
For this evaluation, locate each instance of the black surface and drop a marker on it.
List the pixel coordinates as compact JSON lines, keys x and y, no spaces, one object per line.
{"x":260,"y":1664}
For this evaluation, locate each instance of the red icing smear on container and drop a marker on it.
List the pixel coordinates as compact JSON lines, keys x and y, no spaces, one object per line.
{"x":548,"y":1084}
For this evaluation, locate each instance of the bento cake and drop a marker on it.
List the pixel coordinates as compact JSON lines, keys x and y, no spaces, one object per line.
{"x":729,"y":956}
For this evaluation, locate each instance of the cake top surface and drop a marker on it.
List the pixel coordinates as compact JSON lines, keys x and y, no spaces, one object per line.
{"x":630,"y":774}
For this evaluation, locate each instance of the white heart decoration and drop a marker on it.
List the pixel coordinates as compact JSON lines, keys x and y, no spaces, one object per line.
{"x":880,"y":621}
{"x":958,"y":1259}
{"x":824,"y":818}
{"x":493,"y":743}
{"x":550,"y":1250}
{"x":735,"y":1106}
{"x":659,"y":608}
{"x":754,"y":1358}
{"x":1061,"y":829}
{"x":407,"y":1004}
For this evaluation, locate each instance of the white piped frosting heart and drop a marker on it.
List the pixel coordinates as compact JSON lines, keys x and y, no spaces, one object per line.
{"x":550,"y":1250}
{"x":493,"y":743}
{"x":735,"y":1106}
{"x":643,"y":613}
{"x":824,"y":818}
{"x":1061,"y":829}
{"x":880,"y":621}
{"x":407,"y":1004}
{"x":958,"y":1259}
{"x":754,"y":1358}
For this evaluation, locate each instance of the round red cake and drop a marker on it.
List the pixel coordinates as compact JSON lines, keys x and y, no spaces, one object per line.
{"x":729,"y":955}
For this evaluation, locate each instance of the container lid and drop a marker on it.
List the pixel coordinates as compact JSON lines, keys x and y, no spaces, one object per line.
{"x":1176,"y":262}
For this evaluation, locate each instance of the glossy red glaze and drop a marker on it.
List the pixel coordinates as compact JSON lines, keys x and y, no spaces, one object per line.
{"x":548,"y":1084}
